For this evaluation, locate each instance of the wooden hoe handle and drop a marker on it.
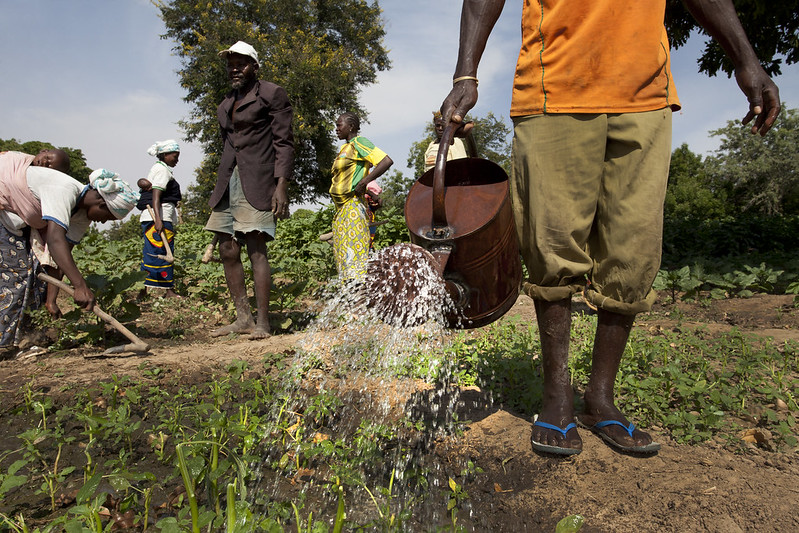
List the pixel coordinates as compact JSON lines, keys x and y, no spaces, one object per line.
{"x":137,"y":346}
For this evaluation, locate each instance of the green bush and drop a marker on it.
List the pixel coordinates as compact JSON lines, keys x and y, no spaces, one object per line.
{"x":687,"y":239}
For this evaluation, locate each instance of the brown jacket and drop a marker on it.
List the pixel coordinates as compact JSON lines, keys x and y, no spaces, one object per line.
{"x":258,"y":138}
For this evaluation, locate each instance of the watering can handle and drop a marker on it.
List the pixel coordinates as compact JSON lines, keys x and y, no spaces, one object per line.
{"x":439,"y":189}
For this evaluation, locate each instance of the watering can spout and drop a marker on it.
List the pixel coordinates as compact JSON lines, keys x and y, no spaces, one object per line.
{"x":441,"y":255}
{"x":456,"y":291}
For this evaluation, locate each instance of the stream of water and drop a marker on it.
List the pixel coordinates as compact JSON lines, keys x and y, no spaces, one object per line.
{"x":380,"y":346}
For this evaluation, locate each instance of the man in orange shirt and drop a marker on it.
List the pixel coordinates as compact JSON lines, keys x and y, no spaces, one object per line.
{"x":592,"y":103}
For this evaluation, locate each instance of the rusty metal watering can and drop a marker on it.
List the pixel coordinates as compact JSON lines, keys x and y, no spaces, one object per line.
{"x":459,"y":213}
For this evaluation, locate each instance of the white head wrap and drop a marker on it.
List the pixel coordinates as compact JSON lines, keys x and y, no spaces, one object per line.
{"x":164,"y":147}
{"x":118,"y":195}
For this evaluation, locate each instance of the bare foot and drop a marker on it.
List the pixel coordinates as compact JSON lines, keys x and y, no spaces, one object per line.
{"x":171,"y":294}
{"x":260,"y":332}
{"x":243,"y":326}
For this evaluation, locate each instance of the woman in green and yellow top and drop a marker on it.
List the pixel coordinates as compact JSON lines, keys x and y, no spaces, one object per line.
{"x":358,"y":162}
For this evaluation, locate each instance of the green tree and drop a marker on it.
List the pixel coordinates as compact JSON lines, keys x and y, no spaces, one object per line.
{"x":772,"y":28}
{"x":77,"y":161}
{"x":395,"y":189}
{"x":490,"y":135}
{"x":689,"y":194}
{"x":760,"y":174}
{"x":321,"y":51}
{"x":194,"y":203}
{"x":121,"y":230}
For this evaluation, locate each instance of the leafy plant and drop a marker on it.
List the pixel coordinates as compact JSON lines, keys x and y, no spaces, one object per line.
{"x":457,"y":496}
{"x":10,"y":479}
{"x":793,"y":288}
{"x":763,"y":279}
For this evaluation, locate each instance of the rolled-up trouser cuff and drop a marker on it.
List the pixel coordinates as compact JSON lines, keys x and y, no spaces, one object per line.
{"x":554,"y":294}
{"x":551,"y":294}
{"x":623,"y":308}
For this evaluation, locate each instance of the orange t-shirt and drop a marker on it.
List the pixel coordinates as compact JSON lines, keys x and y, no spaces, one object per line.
{"x":595,"y":56}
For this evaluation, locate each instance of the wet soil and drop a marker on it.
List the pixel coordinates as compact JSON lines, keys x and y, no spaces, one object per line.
{"x":709,"y":487}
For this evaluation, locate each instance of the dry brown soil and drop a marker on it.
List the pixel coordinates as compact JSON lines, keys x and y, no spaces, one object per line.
{"x":707,"y":487}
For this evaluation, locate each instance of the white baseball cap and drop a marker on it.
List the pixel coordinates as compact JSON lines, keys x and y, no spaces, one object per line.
{"x":241,"y":48}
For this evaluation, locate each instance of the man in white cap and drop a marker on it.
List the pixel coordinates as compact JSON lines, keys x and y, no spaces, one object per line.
{"x":252,"y":181}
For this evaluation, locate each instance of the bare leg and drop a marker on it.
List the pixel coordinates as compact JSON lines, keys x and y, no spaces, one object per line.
{"x":612,"y":333}
{"x":554,"y":324}
{"x":262,"y":274}
{"x":230,"y":253}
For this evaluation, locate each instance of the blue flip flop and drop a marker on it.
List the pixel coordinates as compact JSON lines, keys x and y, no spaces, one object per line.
{"x":548,"y":448}
{"x":598,"y":429}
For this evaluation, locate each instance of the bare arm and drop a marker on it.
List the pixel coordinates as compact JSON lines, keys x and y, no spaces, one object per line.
{"x":720,"y":20}
{"x":157,"y":220}
{"x":477,"y":20}
{"x":61,"y":251}
{"x":376,"y":172}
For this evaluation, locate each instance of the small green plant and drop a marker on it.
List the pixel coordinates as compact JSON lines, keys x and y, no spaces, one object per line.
{"x":676,"y":281}
{"x":53,"y":477}
{"x":457,"y":495}
{"x":793,"y":288}
{"x":764,"y":278}
{"x":570,"y":524}
{"x":17,"y":524}
{"x":10,"y":479}
{"x":387,"y":519}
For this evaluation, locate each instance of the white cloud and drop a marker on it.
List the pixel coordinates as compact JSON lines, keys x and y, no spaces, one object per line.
{"x":113,"y":134}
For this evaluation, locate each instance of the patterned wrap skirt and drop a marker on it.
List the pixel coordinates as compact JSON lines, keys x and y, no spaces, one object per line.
{"x":19,"y":286}
{"x":351,"y":240}
{"x":159,"y":272}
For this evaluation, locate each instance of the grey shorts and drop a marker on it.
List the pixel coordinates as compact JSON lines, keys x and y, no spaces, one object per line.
{"x":235,"y":216}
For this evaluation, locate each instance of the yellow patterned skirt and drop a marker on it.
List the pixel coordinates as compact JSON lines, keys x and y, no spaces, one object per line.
{"x":351,"y":239}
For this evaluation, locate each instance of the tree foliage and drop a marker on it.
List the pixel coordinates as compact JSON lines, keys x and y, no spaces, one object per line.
{"x":395,"y":190}
{"x":195,"y":199}
{"x":321,"y":51}
{"x":490,"y":134}
{"x":77,"y":161}
{"x":759,"y":175}
{"x":748,"y":175}
{"x":689,"y":194}
{"x":772,"y":28}
{"x":128,"y":228}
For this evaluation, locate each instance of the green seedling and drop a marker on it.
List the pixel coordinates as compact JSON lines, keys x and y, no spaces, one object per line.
{"x":53,"y":478}
{"x":10,"y":479}
{"x":457,"y":496}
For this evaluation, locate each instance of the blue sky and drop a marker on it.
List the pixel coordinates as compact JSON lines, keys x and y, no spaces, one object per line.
{"x":95,"y":75}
